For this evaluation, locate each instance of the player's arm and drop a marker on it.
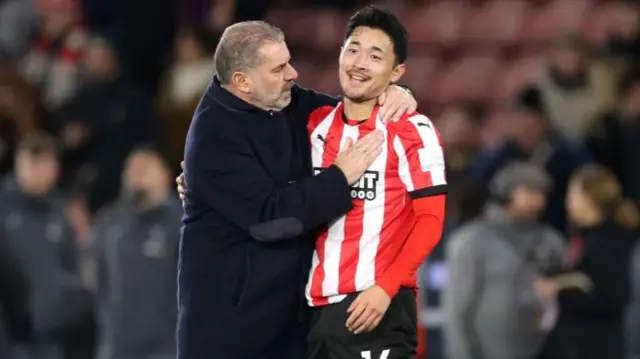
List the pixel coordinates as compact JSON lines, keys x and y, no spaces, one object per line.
{"x":396,"y":101}
{"x":422,"y":170}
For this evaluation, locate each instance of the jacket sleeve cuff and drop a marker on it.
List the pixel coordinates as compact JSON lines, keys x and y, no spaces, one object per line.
{"x":339,"y":192}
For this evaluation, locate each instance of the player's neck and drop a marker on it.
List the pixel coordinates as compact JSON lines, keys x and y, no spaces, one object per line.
{"x":359,"y":110}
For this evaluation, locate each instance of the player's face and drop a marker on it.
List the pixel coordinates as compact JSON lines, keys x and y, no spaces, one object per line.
{"x":368,"y":64}
{"x":272,"y":80}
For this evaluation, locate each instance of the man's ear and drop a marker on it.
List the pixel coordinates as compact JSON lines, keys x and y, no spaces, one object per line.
{"x":398,"y":72}
{"x":241,"y":81}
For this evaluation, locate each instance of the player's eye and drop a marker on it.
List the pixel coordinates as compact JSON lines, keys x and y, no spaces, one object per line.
{"x":376,"y":57}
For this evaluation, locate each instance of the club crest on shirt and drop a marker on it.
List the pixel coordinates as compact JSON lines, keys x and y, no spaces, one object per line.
{"x":365,"y":188}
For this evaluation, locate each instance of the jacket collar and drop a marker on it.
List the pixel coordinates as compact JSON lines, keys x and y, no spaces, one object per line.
{"x":229,"y":100}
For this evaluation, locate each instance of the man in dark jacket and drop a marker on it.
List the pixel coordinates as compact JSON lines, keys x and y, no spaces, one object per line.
{"x":33,"y":219}
{"x":136,"y":243}
{"x":249,"y":181}
{"x":15,"y":322}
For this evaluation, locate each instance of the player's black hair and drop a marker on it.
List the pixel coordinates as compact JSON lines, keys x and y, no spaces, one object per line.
{"x":377,"y":18}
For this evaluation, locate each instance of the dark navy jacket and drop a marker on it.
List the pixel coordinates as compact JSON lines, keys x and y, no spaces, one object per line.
{"x":249,"y":181}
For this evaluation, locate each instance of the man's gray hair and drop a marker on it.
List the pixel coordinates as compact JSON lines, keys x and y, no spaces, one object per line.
{"x":239,"y":47}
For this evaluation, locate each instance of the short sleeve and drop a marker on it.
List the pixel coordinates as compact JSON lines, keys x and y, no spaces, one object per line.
{"x":421,"y":165}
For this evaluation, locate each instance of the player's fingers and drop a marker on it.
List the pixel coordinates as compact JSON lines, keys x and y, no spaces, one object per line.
{"x":354,"y":317}
{"x":374,"y":323}
{"x":363,"y":322}
{"x":348,"y":144}
{"x":354,"y":305}
{"x":398,"y":112}
{"x":370,"y":142}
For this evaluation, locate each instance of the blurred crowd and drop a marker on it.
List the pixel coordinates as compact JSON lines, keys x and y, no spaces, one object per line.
{"x":96,"y":97}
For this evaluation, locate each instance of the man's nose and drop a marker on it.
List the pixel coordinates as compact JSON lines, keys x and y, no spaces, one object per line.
{"x":291,"y":73}
{"x":361,"y":61}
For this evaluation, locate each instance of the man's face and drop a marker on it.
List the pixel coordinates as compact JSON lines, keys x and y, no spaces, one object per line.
{"x":367,"y":64}
{"x":36,"y":174}
{"x":528,"y":129}
{"x":144,"y":176}
{"x":99,"y":60}
{"x":527,"y":203}
{"x":567,"y":61}
{"x":271,"y":82}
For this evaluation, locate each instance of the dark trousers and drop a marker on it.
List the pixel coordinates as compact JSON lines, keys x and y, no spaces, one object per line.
{"x":395,"y":337}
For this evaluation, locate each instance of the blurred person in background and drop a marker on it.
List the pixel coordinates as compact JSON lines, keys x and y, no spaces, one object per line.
{"x":102,"y":124}
{"x":16,"y":20}
{"x":591,"y":324}
{"x":623,"y":41}
{"x":15,"y":318}
{"x":136,"y":247}
{"x":633,"y":310}
{"x":459,"y":126}
{"x":38,"y":232}
{"x":19,"y":114}
{"x":52,"y":61}
{"x":615,"y":143}
{"x":187,"y":77}
{"x":574,"y":89}
{"x":533,"y":140}
{"x":491,"y":309}
{"x":221,"y":13}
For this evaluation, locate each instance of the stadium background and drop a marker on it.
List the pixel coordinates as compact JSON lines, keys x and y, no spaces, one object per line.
{"x":106,"y":76}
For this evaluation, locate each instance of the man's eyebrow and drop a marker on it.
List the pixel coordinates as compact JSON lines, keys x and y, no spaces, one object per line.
{"x":281,"y":66}
{"x":375,"y":48}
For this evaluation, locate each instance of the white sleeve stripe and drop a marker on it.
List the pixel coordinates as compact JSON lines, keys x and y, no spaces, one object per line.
{"x":431,"y":156}
{"x":404,"y":172}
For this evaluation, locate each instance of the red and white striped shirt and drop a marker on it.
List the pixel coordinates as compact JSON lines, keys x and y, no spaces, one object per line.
{"x":355,"y":249}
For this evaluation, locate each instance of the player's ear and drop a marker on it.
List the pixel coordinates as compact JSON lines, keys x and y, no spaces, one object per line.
{"x":398,"y":72}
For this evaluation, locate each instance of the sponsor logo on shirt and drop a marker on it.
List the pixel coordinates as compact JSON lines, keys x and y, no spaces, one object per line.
{"x":365,"y":188}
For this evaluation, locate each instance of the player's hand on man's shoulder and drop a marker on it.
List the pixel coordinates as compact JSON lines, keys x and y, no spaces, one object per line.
{"x":395,"y":102}
{"x":180,"y":182}
{"x":354,"y":159}
{"x":367,"y":310}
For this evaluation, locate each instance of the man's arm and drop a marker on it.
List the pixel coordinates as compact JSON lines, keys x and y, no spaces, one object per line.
{"x":609,"y":274}
{"x":391,"y":100}
{"x":422,"y":170}
{"x":464,"y":283}
{"x":223,"y":173}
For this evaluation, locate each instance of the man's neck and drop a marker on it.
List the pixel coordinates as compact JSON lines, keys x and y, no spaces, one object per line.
{"x":359,"y":110}
{"x":244,"y":97}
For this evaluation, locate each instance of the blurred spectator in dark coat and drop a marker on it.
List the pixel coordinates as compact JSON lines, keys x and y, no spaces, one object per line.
{"x":186,"y":79}
{"x":33,"y":220}
{"x":103,"y":123}
{"x":15,"y":319}
{"x":615,"y":142}
{"x":532,"y":140}
{"x":591,"y":322}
